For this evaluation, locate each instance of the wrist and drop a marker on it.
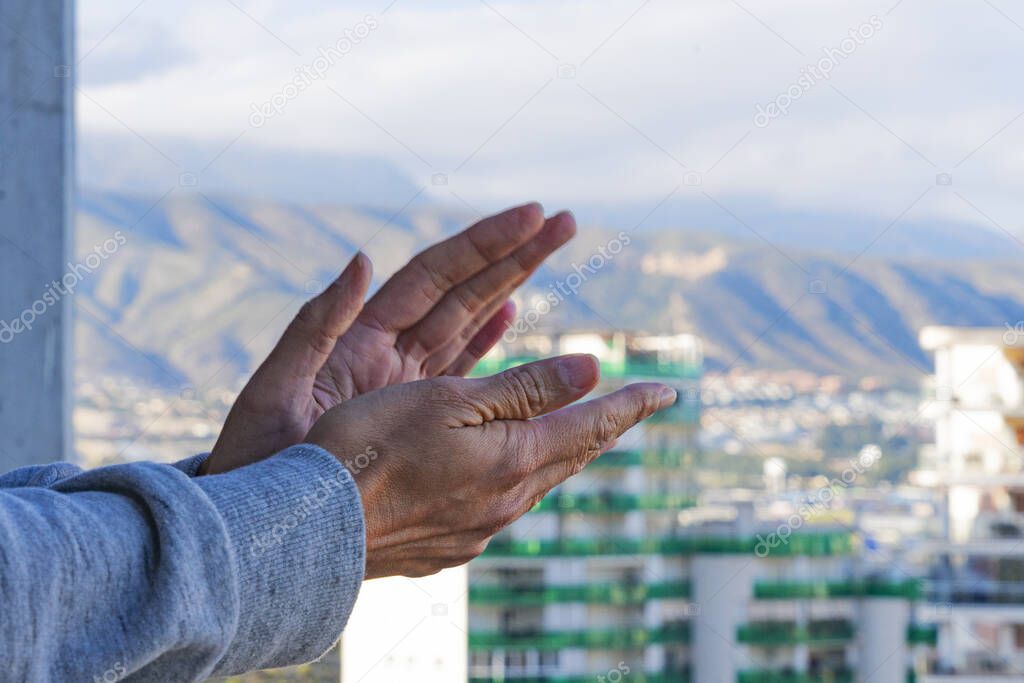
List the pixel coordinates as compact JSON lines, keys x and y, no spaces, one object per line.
{"x":366,"y":471}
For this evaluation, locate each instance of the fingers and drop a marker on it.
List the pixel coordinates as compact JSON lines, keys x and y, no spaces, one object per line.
{"x":485,"y":339}
{"x":309,"y":339}
{"x":535,"y":388}
{"x":443,"y":334}
{"x":415,"y":289}
{"x":568,"y":440}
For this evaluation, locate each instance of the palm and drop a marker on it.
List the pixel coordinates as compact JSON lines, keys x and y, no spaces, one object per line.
{"x":364,"y":359}
{"x":437,"y":315}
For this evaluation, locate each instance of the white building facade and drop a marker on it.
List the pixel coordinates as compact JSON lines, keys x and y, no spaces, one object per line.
{"x":977,"y":402}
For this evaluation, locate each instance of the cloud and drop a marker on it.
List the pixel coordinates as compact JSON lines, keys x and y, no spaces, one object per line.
{"x":130,"y":55}
{"x":572,"y":101}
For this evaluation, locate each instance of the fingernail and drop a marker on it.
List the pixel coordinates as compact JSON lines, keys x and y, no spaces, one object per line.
{"x":666,"y":398}
{"x":577,"y":371}
{"x":536,"y":207}
{"x":360,"y":260}
{"x":563,"y":225}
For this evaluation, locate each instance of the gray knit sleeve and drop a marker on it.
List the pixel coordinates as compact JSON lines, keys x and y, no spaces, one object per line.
{"x":141,"y":572}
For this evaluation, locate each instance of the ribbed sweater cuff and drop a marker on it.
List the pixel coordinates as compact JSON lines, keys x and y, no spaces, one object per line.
{"x":190,"y":466}
{"x":295,"y":522}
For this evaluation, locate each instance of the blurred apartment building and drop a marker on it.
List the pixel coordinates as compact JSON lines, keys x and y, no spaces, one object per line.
{"x":976,"y":585}
{"x":628,"y":573}
{"x":595,"y":580}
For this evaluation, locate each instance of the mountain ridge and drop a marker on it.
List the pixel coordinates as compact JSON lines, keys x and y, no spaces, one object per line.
{"x":205,"y":283}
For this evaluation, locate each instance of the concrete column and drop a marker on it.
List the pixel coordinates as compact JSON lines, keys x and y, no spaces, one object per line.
{"x":882,"y":636}
{"x":722,"y":587}
{"x":409,"y":630}
{"x":36,"y":192}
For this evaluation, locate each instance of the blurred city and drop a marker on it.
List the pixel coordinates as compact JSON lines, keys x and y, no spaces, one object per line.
{"x":773,"y":526}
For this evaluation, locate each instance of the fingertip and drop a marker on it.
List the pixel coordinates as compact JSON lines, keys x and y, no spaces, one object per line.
{"x":363,"y":263}
{"x":484,"y":340}
{"x":496,"y":324}
{"x":508,"y":310}
{"x":565,"y":216}
{"x":579,"y":371}
{"x":658,"y":395}
{"x":532,"y":213}
{"x":491,"y":331}
{"x":562,"y":227}
{"x":359,"y":269}
{"x":666,"y":397}
{"x":344,"y":299}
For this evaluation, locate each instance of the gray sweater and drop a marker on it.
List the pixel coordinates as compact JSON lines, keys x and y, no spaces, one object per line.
{"x":147,"y":572}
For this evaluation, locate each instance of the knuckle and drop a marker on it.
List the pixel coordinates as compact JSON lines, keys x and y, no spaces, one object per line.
{"x":607,"y":428}
{"x":526,"y":386}
{"x":467,"y":333}
{"x":446,"y":391}
{"x":647,"y":405}
{"x":321,"y":341}
{"x":481,"y":251}
{"x":438,"y":280}
{"x":524,"y":221}
{"x":426,"y":282}
{"x":307,"y":315}
{"x":523,"y":264}
{"x":467,"y":300}
{"x":309,"y":323}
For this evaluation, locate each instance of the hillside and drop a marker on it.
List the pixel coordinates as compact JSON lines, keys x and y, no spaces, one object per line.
{"x":202,"y":287}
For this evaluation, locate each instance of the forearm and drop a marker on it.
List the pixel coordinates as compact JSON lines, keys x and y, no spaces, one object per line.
{"x":141,"y":569}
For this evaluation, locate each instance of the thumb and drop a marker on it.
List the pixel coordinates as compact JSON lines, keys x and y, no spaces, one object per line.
{"x":537,"y":388}
{"x":310,"y":338}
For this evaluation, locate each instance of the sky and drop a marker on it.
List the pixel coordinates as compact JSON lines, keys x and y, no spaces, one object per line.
{"x":490,"y":102}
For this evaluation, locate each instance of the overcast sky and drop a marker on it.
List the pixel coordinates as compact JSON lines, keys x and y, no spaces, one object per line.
{"x":584,"y":101}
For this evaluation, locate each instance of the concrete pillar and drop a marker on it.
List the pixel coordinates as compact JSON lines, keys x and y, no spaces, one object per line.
{"x":409,"y":630}
{"x":722,"y":588}
{"x":36,"y":192}
{"x":882,"y":636}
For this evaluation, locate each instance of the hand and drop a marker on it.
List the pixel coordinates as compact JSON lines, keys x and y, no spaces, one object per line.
{"x":456,"y":460}
{"x":436,"y":316}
